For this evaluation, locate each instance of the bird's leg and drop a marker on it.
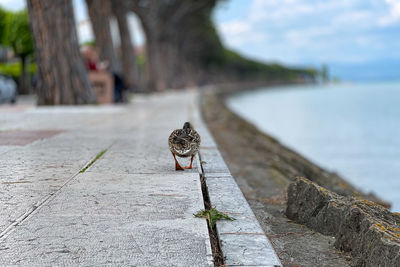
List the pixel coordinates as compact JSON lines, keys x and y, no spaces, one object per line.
{"x":191,"y":162}
{"x":178,"y":167}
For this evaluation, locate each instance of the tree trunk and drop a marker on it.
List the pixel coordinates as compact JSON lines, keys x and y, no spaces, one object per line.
{"x":22,"y":86}
{"x":100,"y":14}
{"x":62,"y":77}
{"x":128,"y":57}
{"x":155,"y":67}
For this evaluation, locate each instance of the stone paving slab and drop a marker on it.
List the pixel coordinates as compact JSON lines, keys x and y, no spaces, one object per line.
{"x":243,"y":242}
{"x":129,"y":208}
{"x":102,"y":219}
{"x":212,"y":161}
{"x":20,"y":138}
{"x":252,"y":250}
{"x":4,"y":149}
{"x":37,"y":170}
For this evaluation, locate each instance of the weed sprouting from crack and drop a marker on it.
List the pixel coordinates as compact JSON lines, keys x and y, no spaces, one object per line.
{"x":213,"y":215}
{"x":93,"y":161}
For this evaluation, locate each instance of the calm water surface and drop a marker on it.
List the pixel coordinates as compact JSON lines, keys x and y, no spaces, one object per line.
{"x":353,"y":129}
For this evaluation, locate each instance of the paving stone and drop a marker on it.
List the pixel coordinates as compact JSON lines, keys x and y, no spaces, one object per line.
{"x":142,"y":196}
{"x":4,"y":149}
{"x":241,"y":225}
{"x":212,"y":161}
{"x":20,"y":138}
{"x":226,"y":196}
{"x":113,"y":213}
{"x":206,"y":138}
{"x":253,"y":250}
{"x":218,"y":175}
{"x":122,"y":219}
{"x":243,"y":241}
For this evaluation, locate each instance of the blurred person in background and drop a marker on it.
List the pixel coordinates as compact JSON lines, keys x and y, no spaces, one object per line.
{"x":92,"y":61}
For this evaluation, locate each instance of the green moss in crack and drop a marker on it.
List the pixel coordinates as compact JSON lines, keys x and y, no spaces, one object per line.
{"x":93,"y":161}
{"x":213,"y":215}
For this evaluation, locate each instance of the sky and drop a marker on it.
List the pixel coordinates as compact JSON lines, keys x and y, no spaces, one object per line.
{"x":357,"y":39}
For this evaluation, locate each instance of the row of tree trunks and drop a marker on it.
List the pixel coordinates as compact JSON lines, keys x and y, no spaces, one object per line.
{"x":100,"y":15}
{"x":62,"y":77}
{"x":173,"y":37}
{"x":171,"y":45}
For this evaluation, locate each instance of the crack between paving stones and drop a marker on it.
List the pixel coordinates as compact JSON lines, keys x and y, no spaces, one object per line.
{"x":49,"y":197}
{"x":98,"y":156}
{"x":218,"y":256}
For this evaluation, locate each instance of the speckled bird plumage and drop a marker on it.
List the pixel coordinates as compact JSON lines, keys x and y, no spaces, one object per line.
{"x":184,"y":142}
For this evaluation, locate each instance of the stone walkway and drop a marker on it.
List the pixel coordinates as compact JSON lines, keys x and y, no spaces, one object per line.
{"x":97,"y":186}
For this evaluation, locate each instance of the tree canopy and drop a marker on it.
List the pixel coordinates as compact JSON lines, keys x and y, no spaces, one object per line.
{"x":15,"y":32}
{"x":19,"y":34}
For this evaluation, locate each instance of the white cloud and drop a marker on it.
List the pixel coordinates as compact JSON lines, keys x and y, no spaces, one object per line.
{"x":278,"y":9}
{"x":235,"y":27}
{"x":284,"y":11}
{"x":394,"y":13}
{"x":238,"y":32}
{"x":304,"y":37}
{"x":301,"y":31}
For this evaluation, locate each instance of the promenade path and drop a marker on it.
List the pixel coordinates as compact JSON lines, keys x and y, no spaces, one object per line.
{"x":96,"y":186}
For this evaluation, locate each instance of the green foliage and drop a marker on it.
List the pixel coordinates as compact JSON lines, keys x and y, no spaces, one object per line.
{"x":245,"y":68}
{"x":20,"y":38}
{"x":213,"y":215}
{"x":91,"y":43}
{"x":14,"y":69}
{"x":4,"y":25}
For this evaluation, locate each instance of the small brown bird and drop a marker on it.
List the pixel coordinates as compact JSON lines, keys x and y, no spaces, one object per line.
{"x":184,"y":143}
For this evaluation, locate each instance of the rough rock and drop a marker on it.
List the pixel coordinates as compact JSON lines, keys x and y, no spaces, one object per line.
{"x":370,"y":232}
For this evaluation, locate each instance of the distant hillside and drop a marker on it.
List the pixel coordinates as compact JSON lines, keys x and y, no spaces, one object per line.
{"x":245,"y":68}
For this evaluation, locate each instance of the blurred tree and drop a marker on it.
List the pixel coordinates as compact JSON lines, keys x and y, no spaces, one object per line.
{"x":100,"y":15}
{"x":149,"y":13}
{"x":20,"y":39}
{"x":324,"y":73}
{"x":3,"y":26}
{"x":62,"y":77}
{"x":177,"y":35}
{"x":196,"y":45}
{"x":128,"y":57}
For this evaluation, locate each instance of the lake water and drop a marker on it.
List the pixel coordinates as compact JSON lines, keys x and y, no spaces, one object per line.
{"x":353,"y":129}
